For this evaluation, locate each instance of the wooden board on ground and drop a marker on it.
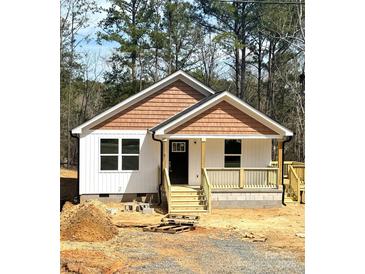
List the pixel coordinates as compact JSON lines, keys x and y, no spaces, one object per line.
{"x":172,"y":229}
{"x":180,"y":219}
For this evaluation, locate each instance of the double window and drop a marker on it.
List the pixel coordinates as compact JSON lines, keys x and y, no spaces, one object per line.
{"x":119,"y":154}
{"x":232,"y":153}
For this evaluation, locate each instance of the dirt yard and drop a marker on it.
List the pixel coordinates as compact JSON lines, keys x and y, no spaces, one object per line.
{"x":226,"y":241}
{"x":219,"y":245}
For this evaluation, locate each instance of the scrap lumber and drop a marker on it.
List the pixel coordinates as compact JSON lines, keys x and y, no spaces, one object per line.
{"x":174,"y":224}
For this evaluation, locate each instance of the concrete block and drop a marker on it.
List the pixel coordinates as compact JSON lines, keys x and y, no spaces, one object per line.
{"x":148,"y":210}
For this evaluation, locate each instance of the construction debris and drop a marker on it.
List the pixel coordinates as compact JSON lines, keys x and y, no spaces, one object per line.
{"x":148,"y":211}
{"x":174,"y":224}
{"x":172,"y":229}
{"x":180,"y":219}
{"x":136,"y":206}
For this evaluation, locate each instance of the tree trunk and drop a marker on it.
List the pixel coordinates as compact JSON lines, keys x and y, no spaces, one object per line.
{"x":243,"y":52}
{"x":259,"y":72}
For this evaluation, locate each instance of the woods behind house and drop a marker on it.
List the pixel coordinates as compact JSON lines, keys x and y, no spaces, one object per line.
{"x":253,"y":49}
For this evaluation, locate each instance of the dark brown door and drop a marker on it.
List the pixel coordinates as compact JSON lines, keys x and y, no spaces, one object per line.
{"x":179,"y":161}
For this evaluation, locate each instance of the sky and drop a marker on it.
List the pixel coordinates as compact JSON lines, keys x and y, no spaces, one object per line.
{"x":99,"y":52}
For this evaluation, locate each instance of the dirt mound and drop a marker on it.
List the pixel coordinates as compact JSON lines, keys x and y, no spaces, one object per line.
{"x":87,"y":222}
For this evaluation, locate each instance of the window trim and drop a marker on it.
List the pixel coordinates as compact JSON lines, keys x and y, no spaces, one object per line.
{"x":176,"y":142}
{"x":230,"y":154}
{"x":119,"y":170}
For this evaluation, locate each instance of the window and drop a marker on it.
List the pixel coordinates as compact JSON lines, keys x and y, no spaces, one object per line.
{"x":232,"y":153}
{"x":178,"y":146}
{"x":111,"y":155}
{"x":130,"y":154}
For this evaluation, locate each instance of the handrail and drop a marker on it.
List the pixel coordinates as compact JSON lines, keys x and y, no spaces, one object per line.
{"x":238,"y":168}
{"x":207,"y":188}
{"x":167,"y":185}
{"x":298,"y":181}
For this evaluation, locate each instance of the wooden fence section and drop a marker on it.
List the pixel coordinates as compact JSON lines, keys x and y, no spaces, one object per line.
{"x":245,"y":177}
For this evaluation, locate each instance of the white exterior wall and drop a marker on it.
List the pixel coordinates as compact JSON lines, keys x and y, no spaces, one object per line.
{"x":255,"y":153}
{"x":194,"y":161}
{"x":94,"y":181}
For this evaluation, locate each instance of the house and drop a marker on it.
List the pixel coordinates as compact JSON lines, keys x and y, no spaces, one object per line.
{"x":180,"y":142}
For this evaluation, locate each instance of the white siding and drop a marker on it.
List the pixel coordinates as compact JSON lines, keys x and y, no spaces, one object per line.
{"x":256,"y":152}
{"x":93,"y":181}
{"x":214,"y":153}
{"x":194,"y":161}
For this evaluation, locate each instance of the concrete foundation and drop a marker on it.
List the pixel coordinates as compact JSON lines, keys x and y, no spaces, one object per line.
{"x":253,"y":198}
{"x":151,"y":198}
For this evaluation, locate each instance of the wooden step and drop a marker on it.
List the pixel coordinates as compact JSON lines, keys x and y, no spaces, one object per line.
{"x":184,"y":189}
{"x":187,"y":207}
{"x":188,"y":197}
{"x":188,"y":202}
{"x":188,"y":211}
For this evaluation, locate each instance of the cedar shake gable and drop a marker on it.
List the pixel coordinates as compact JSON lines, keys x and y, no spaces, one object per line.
{"x":222,"y":118}
{"x":155,"y":108}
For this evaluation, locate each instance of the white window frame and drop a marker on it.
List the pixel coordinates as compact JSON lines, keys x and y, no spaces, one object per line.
{"x":119,"y":170}
{"x":230,"y":154}
{"x":124,"y":154}
{"x":178,"y":142}
{"x":108,"y":154}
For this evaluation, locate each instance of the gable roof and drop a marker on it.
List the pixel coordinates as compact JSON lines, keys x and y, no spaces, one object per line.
{"x":179,"y":75}
{"x":212,"y":100}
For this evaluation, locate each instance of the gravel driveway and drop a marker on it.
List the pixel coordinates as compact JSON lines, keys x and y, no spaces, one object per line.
{"x":200,"y":251}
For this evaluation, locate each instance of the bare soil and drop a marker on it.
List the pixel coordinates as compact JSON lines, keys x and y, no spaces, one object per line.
{"x":88,"y":222}
{"x":224,"y":242}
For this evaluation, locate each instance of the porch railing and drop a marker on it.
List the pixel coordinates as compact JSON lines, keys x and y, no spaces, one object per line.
{"x":167,"y":186}
{"x":286,"y":166}
{"x":206,"y":186}
{"x":245,"y":177}
{"x":296,"y":178}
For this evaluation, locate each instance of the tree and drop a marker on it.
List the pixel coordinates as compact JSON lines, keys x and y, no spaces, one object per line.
{"x":74,"y":17}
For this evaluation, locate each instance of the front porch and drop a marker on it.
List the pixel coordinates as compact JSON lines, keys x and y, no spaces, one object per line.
{"x":219,"y":186}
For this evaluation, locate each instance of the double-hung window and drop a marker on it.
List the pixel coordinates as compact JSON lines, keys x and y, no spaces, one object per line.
{"x":130,"y":154}
{"x":119,"y":154}
{"x":232,"y":153}
{"x":109,"y":154}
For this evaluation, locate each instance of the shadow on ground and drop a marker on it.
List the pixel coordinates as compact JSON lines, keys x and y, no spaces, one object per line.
{"x":68,"y":190}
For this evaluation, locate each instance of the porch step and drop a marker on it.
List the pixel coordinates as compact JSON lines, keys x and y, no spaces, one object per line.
{"x":187,"y":207}
{"x":188,"y":202}
{"x":185,"y":189}
{"x":188,"y":211}
{"x":186,"y":194}
{"x":187,"y":198}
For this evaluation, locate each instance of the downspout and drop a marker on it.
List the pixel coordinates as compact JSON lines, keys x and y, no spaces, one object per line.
{"x":161,"y":171}
{"x":282,"y":168}
{"x":76,"y":199}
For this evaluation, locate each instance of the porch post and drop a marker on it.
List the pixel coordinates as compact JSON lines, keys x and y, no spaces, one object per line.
{"x":202,"y":161}
{"x":165,"y":154}
{"x":280,"y":163}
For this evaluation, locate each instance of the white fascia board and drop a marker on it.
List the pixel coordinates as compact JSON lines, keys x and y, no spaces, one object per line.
{"x":179,"y":75}
{"x":218,"y":136}
{"x":246,"y":108}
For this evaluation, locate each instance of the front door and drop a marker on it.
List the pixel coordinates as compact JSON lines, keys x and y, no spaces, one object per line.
{"x":179,"y":161}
